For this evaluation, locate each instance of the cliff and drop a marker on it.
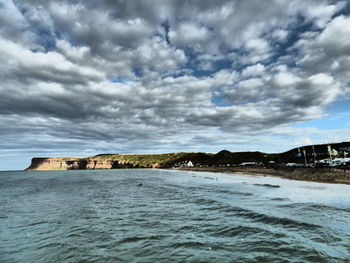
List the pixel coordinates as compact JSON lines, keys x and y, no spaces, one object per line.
{"x":107,"y":161}
{"x":81,"y":164}
{"x":166,"y":160}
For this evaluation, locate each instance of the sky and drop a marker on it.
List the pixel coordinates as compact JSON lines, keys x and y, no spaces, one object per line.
{"x":84,"y":77}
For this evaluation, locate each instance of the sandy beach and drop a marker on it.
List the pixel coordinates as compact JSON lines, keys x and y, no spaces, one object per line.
{"x":322,"y":175}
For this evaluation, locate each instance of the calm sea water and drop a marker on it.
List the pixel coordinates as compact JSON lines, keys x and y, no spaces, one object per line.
{"x":104,"y":216}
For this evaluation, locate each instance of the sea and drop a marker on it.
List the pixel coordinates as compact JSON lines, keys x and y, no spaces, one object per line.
{"x":153,"y":215}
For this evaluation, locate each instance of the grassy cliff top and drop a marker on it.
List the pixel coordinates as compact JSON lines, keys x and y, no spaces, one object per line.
{"x":144,"y":159}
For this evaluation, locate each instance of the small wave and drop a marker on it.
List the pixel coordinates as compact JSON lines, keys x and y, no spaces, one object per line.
{"x":285,"y":222}
{"x":205,"y":201}
{"x":256,"y":216}
{"x":31,"y":224}
{"x":188,"y":244}
{"x":49,"y":245}
{"x":271,"y":220}
{"x":279,"y":199}
{"x":278,"y":251}
{"x":210,"y":178}
{"x":140,"y":238}
{"x":294,"y":205}
{"x":240,"y":231}
{"x":321,"y":207}
{"x":233,"y":192}
{"x":268,"y":185}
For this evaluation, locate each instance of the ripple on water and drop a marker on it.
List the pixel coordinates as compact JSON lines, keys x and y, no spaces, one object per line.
{"x":102,"y":216}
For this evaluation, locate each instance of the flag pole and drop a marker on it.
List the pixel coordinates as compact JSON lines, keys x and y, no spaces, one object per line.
{"x":313,"y":152}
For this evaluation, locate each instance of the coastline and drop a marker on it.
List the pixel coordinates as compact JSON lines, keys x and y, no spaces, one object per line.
{"x":320,"y":175}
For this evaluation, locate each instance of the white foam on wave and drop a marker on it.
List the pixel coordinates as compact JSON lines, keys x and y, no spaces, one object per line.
{"x":296,"y":191}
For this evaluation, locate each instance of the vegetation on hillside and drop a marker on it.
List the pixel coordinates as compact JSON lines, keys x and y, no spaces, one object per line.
{"x":145,"y":159}
{"x":166,"y":160}
{"x":173,"y":159}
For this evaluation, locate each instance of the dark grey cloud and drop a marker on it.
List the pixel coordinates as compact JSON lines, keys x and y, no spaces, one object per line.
{"x":153,"y":74}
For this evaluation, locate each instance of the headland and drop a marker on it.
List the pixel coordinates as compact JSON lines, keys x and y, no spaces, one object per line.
{"x":309,"y":163}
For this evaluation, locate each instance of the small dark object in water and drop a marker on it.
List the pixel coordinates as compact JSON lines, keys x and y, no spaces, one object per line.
{"x":140,"y":184}
{"x":268,"y":185}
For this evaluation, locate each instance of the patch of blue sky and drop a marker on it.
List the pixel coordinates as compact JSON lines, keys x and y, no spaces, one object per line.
{"x":284,"y":48}
{"x":45,"y":38}
{"x":224,"y":101}
{"x":222,"y":64}
{"x":326,"y":123}
{"x":345,"y":10}
{"x":338,"y":116}
{"x":138,"y":72}
{"x":43,"y":35}
{"x":215,"y":67}
{"x":340,"y":106}
{"x":221,"y":101}
{"x":120,"y":80}
{"x":66,"y":37}
{"x":166,"y":26}
{"x":194,"y":64}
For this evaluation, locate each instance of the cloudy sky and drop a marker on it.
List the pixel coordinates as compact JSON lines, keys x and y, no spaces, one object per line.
{"x":82,"y":77}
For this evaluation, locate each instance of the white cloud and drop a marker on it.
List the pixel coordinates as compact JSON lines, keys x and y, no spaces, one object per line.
{"x":279,"y":34}
{"x":49,"y":66}
{"x":322,"y":54}
{"x":118,"y":72}
{"x":255,"y":70}
{"x":189,"y":34}
{"x":322,"y":14}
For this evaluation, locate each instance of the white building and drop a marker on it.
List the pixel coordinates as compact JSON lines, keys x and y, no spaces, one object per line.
{"x":190,"y":164}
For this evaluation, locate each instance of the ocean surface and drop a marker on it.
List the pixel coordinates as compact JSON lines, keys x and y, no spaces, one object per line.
{"x":175,"y":216}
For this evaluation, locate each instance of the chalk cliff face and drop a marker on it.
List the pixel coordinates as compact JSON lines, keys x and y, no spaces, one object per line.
{"x":68,"y":163}
{"x":48,"y":164}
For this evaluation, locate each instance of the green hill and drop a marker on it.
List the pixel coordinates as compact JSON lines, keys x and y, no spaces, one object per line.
{"x":167,"y":160}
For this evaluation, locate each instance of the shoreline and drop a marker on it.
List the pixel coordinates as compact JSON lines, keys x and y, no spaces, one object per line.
{"x":319,"y":175}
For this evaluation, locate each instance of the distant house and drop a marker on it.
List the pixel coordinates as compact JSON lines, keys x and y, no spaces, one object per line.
{"x":190,"y":164}
{"x":248,"y":164}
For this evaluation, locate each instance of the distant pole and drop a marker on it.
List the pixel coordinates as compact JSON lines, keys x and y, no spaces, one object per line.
{"x":304,"y":151}
{"x":330,"y":152}
{"x":299,"y":154}
{"x":313,"y":152}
